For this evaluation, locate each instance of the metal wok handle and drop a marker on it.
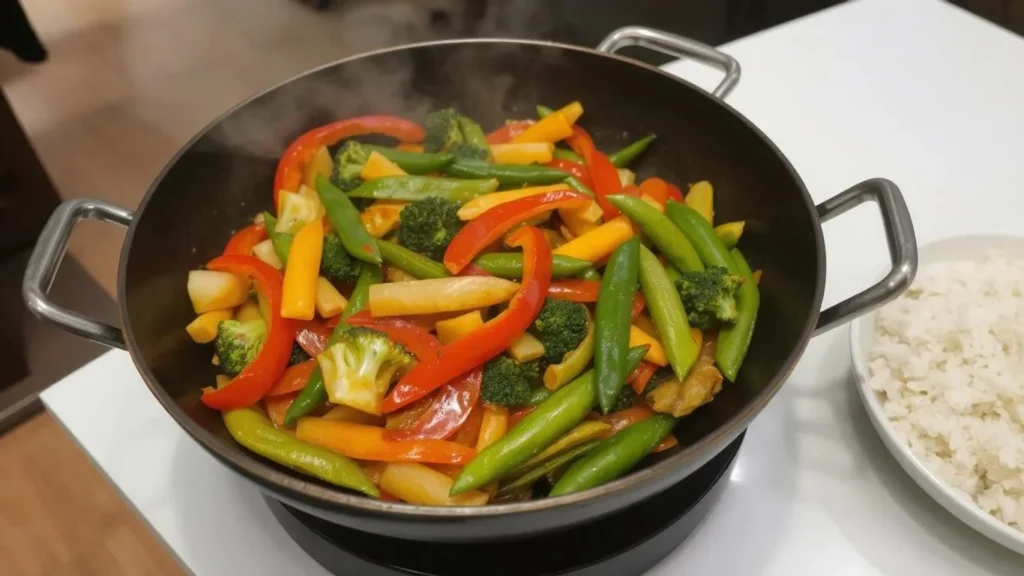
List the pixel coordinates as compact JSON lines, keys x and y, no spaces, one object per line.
{"x":899,"y":235}
{"x":678,"y":46}
{"x":46,"y":258}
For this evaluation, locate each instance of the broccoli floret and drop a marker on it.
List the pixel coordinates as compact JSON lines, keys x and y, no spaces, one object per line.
{"x":428,"y":226}
{"x":442,"y":130}
{"x":560,"y":326}
{"x":359,"y":368}
{"x":336,"y":264}
{"x":348,"y":164}
{"x":298,"y":355}
{"x":507,"y":382}
{"x":709,"y":296}
{"x":238,"y":343}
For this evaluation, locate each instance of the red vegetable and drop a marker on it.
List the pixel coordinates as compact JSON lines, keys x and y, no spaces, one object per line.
{"x":510,"y":130}
{"x":518,"y":414}
{"x":312,"y":337}
{"x":245,"y":239}
{"x":416,"y":339}
{"x":293,"y":379}
{"x":493,"y":337}
{"x":586,"y":291}
{"x":266,"y":369}
{"x":602,"y":171}
{"x":483,"y":230}
{"x":575,"y":168}
{"x":641,"y":376}
{"x":674,"y":193}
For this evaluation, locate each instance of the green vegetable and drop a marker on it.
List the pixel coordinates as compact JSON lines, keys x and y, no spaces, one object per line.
{"x":344,"y":217}
{"x":429,"y":225}
{"x":616,"y":455}
{"x":566,"y":408}
{"x":413,"y":162}
{"x":555,"y":463}
{"x":448,"y":131}
{"x":509,"y":175}
{"x":702,"y":236}
{"x":298,"y":355}
{"x":410,"y":262}
{"x":668,"y":314}
{"x":507,"y":382}
{"x":336,"y":264}
{"x":238,"y":343}
{"x":560,"y":326}
{"x":579,"y":186}
{"x":730,"y":232}
{"x":252,"y":430}
{"x":590,"y":274}
{"x":734,"y":341}
{"x":510,"y":265}
{"x":708,"y":296}
{"x":622,"y":157}
{"x":409,"y":188}
{"x":538,"y":395}
{"x":625,"y":399}
{"x":566,"y":154}
{"x":281,"y":241}
{"x":544,"y":111}
{"x":313,"y":394}
{"x":659,"y":229}
{"x":475,"y":146}
{"x":612,"y":320}
{"x":348,"y":164}
{"x":359,"y":367}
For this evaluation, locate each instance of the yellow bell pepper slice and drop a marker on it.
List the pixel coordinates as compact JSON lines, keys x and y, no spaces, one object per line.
{"x":655,"y":354}
{"x":481,"y":204}
{"x":551,"y":129}
{"x":571,"y":112}
{"x":248,"y":311}
{"x":298,"y":295}
{"x":599,"y":242}
{"x":377,"y":166}
{"x":213,"y":290}
{"x":344,"y":413}
{"x":730,"y":232}
{"x":329,"y":302}
{"x":439,"y":295}
{"x":383,"y":216}
{"x":423,"y":486}
{"x":492,"y":427}
{"x":523,"y":153}
{"x":525,"y":348}
{"x":204,"y":328}
{"x":701,"y":197}
{"x":452,"y":329}
{"x":321,"y":163}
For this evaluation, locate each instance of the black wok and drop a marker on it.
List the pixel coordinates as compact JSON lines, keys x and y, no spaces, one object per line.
{"x":223,"y":176}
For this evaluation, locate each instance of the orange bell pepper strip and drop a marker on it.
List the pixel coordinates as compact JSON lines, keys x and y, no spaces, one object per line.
{"x":243,"y":241}
{"x":641,"y":376}
{"x":586,"y":291}
{"x":479,"y":346}
{"x":300,"y":274}
{"x":260,"y":375}
{"x":483,"y":230}
{"x":551,"y":128}
{"x":299,"y":152}
{"x":510,"y":130}
{"x":277,"y":407}
{"x":602,"y":171}
{"x":493,"y":427}
{"x":293,"y":379}
{"x":365,"y":442}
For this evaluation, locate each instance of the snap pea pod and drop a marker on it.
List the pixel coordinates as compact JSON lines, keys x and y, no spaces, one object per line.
{"x":612,"y":321}
{"x":344,"y":217}
{"x":314,"y":394}
{"x":566,"y":408}
{"x":252,"y":430}
{"x":410,"y":262}
{"x":413,"y":162}
{"x":473,"y":133}
{"x":615,"y":456}
{"x":667,"y":311}
{"x":555,"y":463}
{"x":674,"y":275}
{"x":661,"y":231}
{"x":544,"y":111}
{"x":622,"y":157}
{"x":579,"y":186}
{"x":538,"y":395}
{"x":510,"y":265}
{"x":566,"y":154}
{"x":734,"y":341}
{"x":590,"y":274}
{"x":709,"y":246}
{"x":281,"y":241}
{"x":507,"y":174}
{"x":410,"y":188}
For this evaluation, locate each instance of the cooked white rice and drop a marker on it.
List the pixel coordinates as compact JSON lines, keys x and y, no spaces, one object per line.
{"x":948,"y":366}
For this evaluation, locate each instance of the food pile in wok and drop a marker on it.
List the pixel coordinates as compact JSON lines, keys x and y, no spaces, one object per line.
{"x":464,"y":318}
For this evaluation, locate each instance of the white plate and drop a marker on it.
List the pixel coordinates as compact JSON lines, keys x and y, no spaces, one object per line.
{"x":959,"y":248}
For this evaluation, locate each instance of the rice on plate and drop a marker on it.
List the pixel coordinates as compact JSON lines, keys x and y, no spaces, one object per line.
{"x":947,"y":364}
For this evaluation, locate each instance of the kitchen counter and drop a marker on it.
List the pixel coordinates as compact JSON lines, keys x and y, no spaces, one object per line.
{"x":916,"y":91}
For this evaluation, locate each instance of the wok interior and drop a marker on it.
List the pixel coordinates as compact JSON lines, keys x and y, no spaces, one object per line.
{"x":224,"y":177}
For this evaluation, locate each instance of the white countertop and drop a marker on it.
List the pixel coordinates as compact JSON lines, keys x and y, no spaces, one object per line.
{"x":913,"y":90}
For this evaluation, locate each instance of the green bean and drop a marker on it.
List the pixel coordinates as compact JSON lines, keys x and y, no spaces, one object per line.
{"x":413,"y":162}
{"x":344,"y":217}
{"x":622,"y":157}
{"x":734,"y":341}
{"x":410,"y":188}
{"x":566,"y":154}
{"x":410,"y":262}
{"x":507,"y":174}
{"x":612,"y":320}
{"x":510,"y":265}
{"x":535,"y":474}
{"x":668,"y":314}
{"x":700,"y":233}
{"x":660,"y":230}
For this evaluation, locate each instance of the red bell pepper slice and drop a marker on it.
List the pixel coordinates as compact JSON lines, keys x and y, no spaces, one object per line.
{"x":293,"y":379}
{"x":479,"y":346}
{"x":243,"y":241}
{"x":483,"y":230}
{"x":312,"y":337}
{"x":587,"y":291}
{"x":602,"y":171}
{"x":518,"y":414}
{"x":510,"y":130}
{"x":575,"y":168}
{"x":656,"y":188}
{"x":674,"y":193}
{"x":266,"y":369}
{"x":416,"y":339}
{"x":277,"y":407}
{"x":289,"y":168}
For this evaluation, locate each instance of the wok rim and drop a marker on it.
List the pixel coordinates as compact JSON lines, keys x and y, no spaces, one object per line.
{"x":313,"y":493}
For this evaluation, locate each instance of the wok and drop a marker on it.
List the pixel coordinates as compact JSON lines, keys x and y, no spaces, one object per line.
{"x":223,"y":176}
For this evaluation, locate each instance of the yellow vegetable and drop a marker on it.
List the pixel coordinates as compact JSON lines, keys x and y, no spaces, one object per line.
{"x":439,"y":295}
{"x":576,"y":223}
{"x":294,"y":210}
{"x":573,"y":363}
{"x":265,"y":252}
{"x":383,"y":216}
{"x":204,"y":328}
{"x":645,"y":323}
{"x":701,"y":198}
{"x":492,"y":427}
{"x":481,"y":204}
{"x":349,"y":414}
{"x":329,"y":302}
{"x":392,"y":274}
{"x":298,"y":295}
{"x":452,"y":329}
{"x":571,"y":112}
{"x":551,"y":129}
{"x":421,"y":485}
{"x":213,"y":290}
{"x":377,"y":166}
{"x":583,"y":432}
{"x":222,"y":380}
{"x":248,"y":311}
{"x":626,"y":176}
{"x":730,"y":232}
{"x":526,"y":348}
{"x":321,"y":164}
{"x":650,"y":200}
{"x":523,"y":153}
{"x":599,"y":242}
{"x":655,"y":354}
